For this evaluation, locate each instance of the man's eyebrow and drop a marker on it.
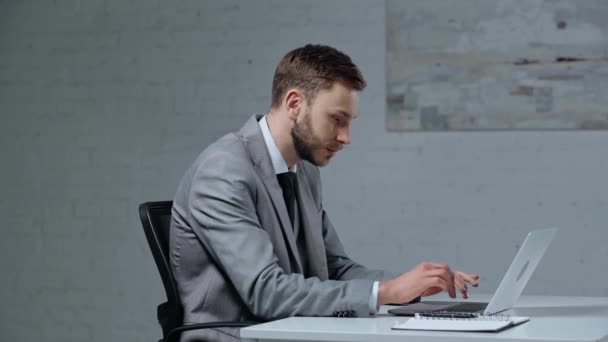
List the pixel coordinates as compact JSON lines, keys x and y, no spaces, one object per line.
{"x":343,"y":113}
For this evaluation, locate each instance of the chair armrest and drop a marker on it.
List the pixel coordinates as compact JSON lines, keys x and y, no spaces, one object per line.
{"x":210,"y":325}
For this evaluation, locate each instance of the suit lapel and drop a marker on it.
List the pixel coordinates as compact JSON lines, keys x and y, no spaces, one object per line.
{"x":256,"y":146}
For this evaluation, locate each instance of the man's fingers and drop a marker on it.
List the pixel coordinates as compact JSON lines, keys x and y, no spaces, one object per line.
{"x":434,"y":265}
{"x":440,"y":281}
{"x":444,"y":274}
{"x":462,"y":286}
{"x":436,"y":282}
{"x":438,"y":272}
{"x":449,"y":277}
{"x":470,"y":278}
{"x":459,"y":283}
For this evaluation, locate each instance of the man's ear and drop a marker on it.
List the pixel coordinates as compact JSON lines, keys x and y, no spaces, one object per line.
{"x":294,"y":102}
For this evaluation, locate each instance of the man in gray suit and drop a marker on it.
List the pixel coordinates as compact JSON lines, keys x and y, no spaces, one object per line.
{"x":250,"y":238}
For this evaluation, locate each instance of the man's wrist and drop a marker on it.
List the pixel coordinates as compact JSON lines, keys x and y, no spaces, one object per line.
{"x":383,"y":293}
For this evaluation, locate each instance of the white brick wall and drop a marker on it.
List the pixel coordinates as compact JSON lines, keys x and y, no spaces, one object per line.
{"x":105,"y":103}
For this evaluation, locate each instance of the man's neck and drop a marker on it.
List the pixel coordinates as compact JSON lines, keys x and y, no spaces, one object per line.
{"x":280,"y":128}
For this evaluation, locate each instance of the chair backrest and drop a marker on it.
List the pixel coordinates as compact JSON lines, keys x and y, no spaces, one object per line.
{"x":155,"y":218}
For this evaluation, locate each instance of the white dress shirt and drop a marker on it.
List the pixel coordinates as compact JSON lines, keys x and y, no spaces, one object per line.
{"x":280,"y":166}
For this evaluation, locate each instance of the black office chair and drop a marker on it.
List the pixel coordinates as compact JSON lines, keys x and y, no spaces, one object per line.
{"x":155,"y":218}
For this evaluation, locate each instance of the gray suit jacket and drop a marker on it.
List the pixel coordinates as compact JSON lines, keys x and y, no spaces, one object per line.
{"x":233,"y":250}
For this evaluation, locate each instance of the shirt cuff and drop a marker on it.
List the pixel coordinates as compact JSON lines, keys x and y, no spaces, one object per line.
{"x":373,"y":299}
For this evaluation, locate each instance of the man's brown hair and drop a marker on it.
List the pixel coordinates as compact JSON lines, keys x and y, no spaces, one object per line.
{"x":313,"y":68}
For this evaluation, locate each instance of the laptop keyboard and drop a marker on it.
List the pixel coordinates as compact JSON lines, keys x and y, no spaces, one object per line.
{"x":467,"y":307}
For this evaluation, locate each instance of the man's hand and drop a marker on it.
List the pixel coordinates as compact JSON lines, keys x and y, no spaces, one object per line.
{"x":426,"y":279}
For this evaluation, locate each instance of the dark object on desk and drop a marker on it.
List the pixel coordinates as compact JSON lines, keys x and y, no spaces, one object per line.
{"x":155,"y":218}
{"x":430,"y":306}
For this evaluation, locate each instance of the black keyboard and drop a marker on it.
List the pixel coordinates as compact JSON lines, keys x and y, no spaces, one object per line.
{"x":467,"y":307}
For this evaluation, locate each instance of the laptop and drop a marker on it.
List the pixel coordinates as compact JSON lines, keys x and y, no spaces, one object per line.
{"x":509,"y":290}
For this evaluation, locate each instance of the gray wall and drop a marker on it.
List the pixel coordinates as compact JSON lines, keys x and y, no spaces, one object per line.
{"x":105,"y":103}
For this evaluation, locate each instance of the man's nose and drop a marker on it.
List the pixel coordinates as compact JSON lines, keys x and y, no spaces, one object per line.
{"x":344,"y":136}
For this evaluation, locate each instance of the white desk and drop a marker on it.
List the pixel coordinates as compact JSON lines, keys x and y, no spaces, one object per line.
{"x":558,"y":319}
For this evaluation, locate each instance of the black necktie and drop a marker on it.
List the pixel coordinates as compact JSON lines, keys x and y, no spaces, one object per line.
{"x":287,"y":180}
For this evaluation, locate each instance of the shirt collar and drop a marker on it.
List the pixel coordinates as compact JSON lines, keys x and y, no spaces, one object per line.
{"x":278,"y":162}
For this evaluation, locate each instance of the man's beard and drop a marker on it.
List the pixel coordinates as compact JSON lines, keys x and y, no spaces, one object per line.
{"x":304,"y":141}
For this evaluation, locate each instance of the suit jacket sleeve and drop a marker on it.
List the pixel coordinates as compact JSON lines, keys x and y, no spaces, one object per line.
{"x":223,"y":216}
